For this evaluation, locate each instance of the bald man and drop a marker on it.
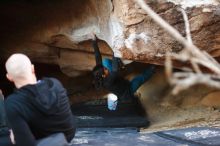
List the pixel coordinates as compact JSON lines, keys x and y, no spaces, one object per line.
{"x":36,"y":109}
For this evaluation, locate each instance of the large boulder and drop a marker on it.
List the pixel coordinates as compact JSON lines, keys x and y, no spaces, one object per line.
{"x":56,"y":32}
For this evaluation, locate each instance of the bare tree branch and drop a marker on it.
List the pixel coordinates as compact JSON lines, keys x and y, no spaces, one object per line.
{"x":186,"y":20}
{"x":195,"y":66}
{"x":168,"y":64}
{"x":191,"y":54}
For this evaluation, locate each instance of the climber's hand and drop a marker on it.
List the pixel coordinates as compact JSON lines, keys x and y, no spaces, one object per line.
{"x":117,"y":53}
{"x":92,"y":36}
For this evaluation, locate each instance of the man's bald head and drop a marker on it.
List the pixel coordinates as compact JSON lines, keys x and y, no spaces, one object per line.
{"x":18,"y":66}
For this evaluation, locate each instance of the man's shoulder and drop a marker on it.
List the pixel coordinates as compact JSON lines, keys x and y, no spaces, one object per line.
{"x":51,"y":79}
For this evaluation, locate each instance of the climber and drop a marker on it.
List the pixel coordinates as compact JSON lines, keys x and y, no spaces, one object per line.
{"x":36,"y":110}
{"x":106,"y":74}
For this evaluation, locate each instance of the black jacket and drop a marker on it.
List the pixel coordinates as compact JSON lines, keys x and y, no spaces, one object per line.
{"x":37,"y":111}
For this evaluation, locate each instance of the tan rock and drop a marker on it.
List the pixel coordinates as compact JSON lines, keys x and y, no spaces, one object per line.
{"x":212,"y":99}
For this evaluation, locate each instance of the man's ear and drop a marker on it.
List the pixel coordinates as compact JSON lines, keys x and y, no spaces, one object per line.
{"x":9,"y":77}
{"x":32,"y":69}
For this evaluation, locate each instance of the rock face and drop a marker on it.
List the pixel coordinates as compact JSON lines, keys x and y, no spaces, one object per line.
{"x":56,"y":32}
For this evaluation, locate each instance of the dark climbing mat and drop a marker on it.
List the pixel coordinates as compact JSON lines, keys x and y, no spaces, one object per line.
{"x":195,"y":136}
{"x":97,"y":114}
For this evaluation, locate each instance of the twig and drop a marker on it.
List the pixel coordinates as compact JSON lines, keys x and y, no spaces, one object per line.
{"x":193,"y":79}
{"x":183,"y":80}
{"x":168,"y":64}
{"x":173,"y":32}
{"x":187,"y":27}
{"x":195,"y":66}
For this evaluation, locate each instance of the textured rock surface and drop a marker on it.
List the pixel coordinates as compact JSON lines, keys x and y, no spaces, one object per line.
{"x":56,"y":32}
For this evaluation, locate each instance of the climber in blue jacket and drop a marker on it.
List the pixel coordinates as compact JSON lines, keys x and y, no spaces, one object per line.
{"x":106,"y":75}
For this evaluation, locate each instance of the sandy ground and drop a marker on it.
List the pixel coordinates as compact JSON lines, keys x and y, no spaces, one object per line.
{"x":196,"y":106}
{"x":167,"y":118}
